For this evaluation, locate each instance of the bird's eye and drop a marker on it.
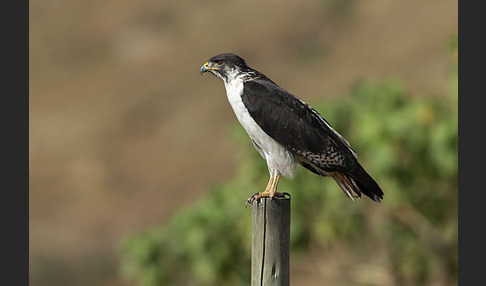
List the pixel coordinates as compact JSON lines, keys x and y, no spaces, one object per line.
{"x":220,"y":62}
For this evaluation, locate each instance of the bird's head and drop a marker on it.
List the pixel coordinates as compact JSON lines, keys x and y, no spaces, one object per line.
{"x":225,"y":66}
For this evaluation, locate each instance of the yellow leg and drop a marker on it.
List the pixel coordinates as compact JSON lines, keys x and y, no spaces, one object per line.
{"x":271,"y":188}
{"x":270,"y":191}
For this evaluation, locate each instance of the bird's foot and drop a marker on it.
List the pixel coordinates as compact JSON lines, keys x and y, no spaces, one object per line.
{"x":257,"y":196}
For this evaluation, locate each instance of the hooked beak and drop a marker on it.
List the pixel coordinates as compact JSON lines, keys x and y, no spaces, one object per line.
{"x":206,"y":67}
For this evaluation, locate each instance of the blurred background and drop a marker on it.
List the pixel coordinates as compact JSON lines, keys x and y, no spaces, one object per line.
{"x":139,"y":170}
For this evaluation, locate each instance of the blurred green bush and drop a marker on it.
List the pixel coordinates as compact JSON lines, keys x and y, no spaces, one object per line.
{"x":408,"y":144}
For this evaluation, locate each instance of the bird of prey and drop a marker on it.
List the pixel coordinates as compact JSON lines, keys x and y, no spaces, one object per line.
{"x":285,"y":130}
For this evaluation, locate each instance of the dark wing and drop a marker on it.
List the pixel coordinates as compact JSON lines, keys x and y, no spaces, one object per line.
{"x":317,"y":146}
{"x":296,"y":125}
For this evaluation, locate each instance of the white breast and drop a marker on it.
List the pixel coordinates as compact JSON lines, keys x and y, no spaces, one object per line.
{"x":278,"y":158}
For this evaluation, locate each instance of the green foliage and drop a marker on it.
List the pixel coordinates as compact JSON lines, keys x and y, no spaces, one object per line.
{"x":407,"y":143}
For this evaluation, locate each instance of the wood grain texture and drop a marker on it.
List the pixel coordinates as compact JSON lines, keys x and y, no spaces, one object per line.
{"x":270,"y":262}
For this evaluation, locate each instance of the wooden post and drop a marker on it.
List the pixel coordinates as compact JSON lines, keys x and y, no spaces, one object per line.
{"x":270,"y":259}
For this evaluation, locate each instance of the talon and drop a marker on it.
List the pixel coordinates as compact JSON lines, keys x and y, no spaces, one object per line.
{"x":286,"y":194}
{"x":280,"y":195}
{"x":270,"y":191}
{"x":251,"y":199}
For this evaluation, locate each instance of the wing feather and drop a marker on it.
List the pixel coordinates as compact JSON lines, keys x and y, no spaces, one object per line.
{"x":296,"y":125}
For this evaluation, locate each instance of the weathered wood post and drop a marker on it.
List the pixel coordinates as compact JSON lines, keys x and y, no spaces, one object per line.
{"x":270,"y":259}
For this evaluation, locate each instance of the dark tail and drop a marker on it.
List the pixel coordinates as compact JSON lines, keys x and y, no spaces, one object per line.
{"x":358,"y":182}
